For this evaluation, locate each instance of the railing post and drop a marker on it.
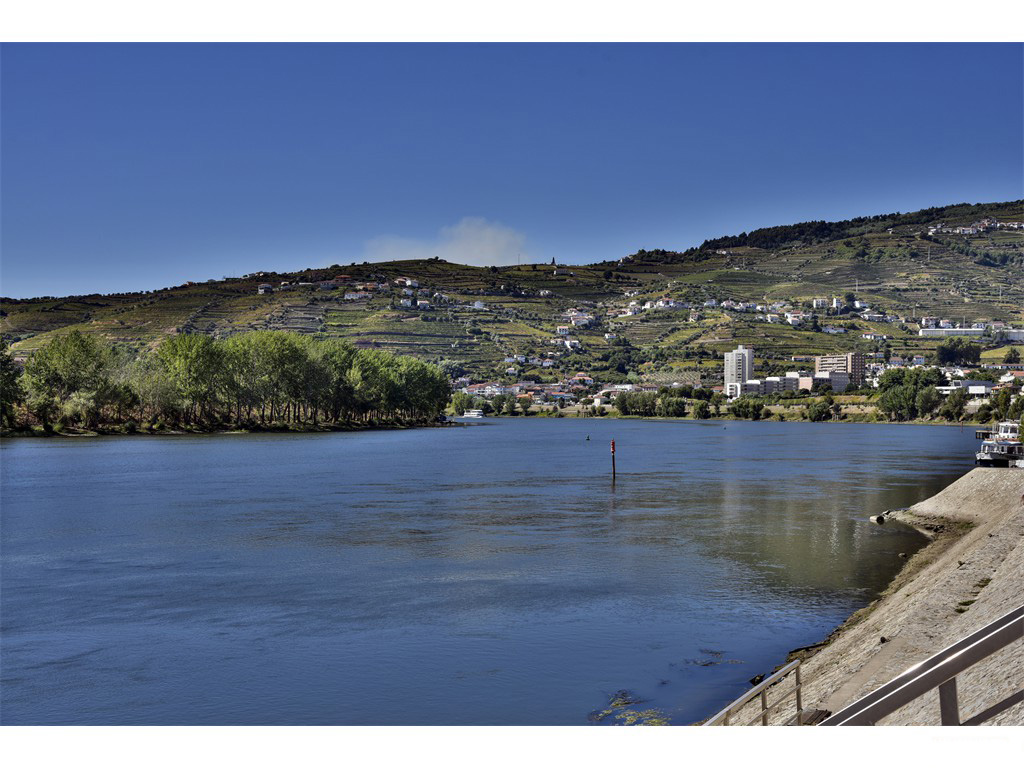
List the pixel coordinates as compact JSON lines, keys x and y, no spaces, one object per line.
{"x":799,"y":698}
{"x":940,"y":671}
{"x":948,"y":706}
{"x":764,"y":707}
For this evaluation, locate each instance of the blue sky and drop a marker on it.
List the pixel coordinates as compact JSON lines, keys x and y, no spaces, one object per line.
{"x":139,"y":166}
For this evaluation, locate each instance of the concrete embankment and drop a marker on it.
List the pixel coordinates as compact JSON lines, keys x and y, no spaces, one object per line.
{"x":971,"y":573}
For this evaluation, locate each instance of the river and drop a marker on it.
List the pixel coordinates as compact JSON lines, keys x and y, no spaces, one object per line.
{"x":489,"y":574}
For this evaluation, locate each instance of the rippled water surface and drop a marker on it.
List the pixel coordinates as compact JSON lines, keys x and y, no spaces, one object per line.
{"x":482,"y":575}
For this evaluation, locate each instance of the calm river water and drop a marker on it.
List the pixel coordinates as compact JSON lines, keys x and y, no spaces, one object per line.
{"x":482,"y":575}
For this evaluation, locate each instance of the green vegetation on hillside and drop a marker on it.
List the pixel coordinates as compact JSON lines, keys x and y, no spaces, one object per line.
{"x":890,"y":262}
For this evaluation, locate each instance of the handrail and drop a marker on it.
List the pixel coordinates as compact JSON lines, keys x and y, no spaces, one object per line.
{"x":940,"y":671}
{"x":724,"y":716}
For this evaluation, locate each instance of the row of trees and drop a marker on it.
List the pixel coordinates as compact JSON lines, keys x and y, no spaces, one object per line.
{"x":957,"y":350}
{"x":261,"y":377}
{"x":500,"y":405}
{"x":748,"y":407}
{"x":650,"y":404}
{"x":911,"y":393}
{"x":1003,"y":406}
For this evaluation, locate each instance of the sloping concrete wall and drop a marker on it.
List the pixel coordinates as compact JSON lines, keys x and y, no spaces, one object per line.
{"x":952,"y":587}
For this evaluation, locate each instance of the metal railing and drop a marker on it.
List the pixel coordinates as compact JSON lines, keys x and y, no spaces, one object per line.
{"x":940,"y":672}
{"x":761,"y":690}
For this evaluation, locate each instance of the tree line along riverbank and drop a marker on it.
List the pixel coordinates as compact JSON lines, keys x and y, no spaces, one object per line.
{"x":193,"y":382}
{"x":909,"y":396}
{"x":284,"y":381}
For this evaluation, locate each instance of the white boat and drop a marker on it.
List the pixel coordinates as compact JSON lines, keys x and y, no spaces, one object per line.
{"x":1008,"y":430}
{"x":473,"y":413}
{"x":1003,"y":448}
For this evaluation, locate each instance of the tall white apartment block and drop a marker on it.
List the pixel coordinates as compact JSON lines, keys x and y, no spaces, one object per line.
{"x":739,"y":365}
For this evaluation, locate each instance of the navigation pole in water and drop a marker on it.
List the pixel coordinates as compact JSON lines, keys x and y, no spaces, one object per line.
{"x":613,"y":462}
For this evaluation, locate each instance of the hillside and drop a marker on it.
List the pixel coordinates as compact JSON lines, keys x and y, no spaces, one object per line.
{"x":905,"y":266}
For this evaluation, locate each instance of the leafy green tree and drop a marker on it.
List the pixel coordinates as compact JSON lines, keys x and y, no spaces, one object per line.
{"x":927,"y":400}
{"x":1012,"y":356}
{"x":1001,"y":403}
{"x":952,"y":408}
{"x":461,"y":402}
{"x":336,"y":357}
{"x":1016,"y":410}
{"x":671,"y":407}
{"x":452,"y":369}
{"x":272,"y":376}
{"x":511,"y":406}
{"x":68,"y":376}
{"x":957,"y":350}
{"x":717,"y":399}
{"x":69,"y":363}
{"x":893,"y":377}
{"x":701,"y":410}
{"x":899,"y":403}
{"x":192,"y":362}
{"x":12,"y":393}
{"x":157,"y":397}
{"x":748,"y":408}
{"x":819,"y":411}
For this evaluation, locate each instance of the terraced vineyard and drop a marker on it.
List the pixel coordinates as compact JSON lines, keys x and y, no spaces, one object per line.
{"x":891,"y":262}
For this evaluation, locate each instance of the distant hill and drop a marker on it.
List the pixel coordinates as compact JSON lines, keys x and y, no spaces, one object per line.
{"x":901,"y":264}
{"x":818,"y":232}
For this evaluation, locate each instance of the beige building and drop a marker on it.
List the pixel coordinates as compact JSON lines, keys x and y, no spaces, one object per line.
{"x":851,"y":363}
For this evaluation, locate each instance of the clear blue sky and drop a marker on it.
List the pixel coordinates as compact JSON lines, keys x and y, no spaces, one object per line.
{"x":140,"y":166}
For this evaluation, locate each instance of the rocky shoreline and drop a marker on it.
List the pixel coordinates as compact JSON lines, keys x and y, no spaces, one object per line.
{"x":969,"y":574}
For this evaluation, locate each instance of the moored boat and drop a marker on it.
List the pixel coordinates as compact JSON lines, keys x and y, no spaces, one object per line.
{"x":1003,"y":447}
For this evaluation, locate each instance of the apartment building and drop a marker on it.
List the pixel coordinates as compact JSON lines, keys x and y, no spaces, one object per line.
{"x":739,"y":365}
{"x":851,"y":363}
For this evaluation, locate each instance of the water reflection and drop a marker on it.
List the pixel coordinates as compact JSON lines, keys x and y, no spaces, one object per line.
{"x":481,"y":575}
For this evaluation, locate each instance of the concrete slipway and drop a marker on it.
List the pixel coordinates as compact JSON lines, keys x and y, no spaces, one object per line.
{"x":976,"y":554}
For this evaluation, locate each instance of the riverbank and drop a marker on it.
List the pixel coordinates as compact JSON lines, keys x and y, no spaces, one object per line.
{"x":575,"y":412}
{"x":969,"y":574}
{"x":291,"y":429}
